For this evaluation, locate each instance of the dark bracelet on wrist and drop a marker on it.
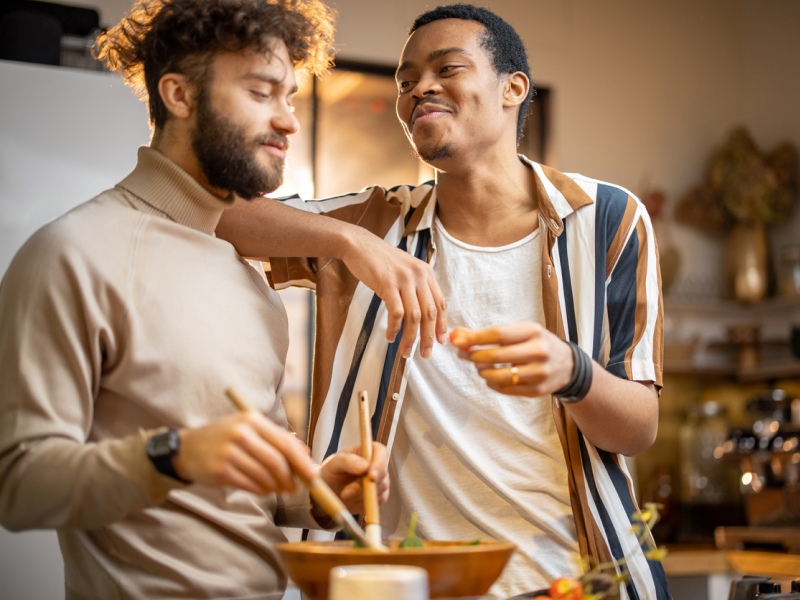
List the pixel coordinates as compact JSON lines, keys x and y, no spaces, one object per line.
{"x":581,"y":381}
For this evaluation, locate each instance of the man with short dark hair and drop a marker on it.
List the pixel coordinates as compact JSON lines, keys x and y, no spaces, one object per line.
{"x":124,"y":321}
{"x":526,"y":447}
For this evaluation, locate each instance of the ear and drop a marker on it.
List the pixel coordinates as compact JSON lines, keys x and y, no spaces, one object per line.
{"x":515,"y":89}
{"x":177,"y":94}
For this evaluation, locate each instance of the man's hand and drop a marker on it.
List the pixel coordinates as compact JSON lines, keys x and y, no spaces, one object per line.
{"x":244,"y":450}
{"x":523,"y":359}
{"x":344,"y":470}
{"x":407,"y":286}
{"x":617,"y":415}
{"x":266,"y":228}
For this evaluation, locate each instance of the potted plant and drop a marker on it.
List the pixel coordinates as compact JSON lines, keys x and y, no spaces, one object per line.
{"x":744,"y":191}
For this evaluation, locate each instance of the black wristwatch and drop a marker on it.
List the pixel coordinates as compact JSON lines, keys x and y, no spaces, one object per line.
{"x":161,"y":447}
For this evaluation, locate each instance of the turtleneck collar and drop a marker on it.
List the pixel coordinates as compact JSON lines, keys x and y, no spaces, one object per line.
{"x":163,"y":186}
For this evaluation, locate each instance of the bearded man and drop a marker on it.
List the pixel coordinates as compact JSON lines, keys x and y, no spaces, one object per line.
{"x":125,"y":320}
{"x":517,"y":435}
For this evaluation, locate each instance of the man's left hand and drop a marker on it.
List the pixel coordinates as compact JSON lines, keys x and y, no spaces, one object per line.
{"x":344,"y":471}
{"x":520,"y":359}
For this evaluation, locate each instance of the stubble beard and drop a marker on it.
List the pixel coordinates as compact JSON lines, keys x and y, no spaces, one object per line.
{"x":434,"y":153}
{"x":228,"y":157}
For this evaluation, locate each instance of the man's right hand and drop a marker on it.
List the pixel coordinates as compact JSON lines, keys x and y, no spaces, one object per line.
{"x":244,"y":450}
{"x":267,"y":228}
{"x":408,"y":287}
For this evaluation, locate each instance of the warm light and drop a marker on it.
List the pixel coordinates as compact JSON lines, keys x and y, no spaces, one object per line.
{"x":796,"y":459}
{"x":773,"y":427}
{"x":747,"y":478}
{"x":788,"y":445}
{"x":727,"y":446}
{"x":756,"y":485}
{"x":718,"y":452}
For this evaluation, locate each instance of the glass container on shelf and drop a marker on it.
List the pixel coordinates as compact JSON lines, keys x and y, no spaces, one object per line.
{"x":703,"y":474}
{"x":709,"y":485}
{"x":789,"y":271}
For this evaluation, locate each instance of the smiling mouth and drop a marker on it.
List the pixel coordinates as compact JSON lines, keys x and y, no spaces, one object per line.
{"x":428,"y":116}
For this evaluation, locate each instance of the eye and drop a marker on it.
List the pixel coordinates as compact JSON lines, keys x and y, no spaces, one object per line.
{"x":404,"y":86}
{"x":259,"y":95}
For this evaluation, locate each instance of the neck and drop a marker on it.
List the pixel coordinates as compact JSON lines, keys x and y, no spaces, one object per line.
{"x":177,"y":146}
{"x":488,"y":201}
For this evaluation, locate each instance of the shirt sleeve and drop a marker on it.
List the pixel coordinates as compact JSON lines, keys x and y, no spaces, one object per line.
{"x":357,"y":209}
{"x":635,"y":307}
{"x":52,"y":350}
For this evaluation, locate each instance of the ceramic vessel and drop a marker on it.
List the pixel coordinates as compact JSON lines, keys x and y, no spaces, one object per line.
{"x":747,"y":262}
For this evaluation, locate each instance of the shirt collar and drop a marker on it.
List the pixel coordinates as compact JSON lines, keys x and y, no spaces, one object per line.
{"x":163,"y":185}
{"x":558,"y":194}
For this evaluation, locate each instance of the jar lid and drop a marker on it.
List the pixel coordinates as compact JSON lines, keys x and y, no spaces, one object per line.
{"x":709,"y":409}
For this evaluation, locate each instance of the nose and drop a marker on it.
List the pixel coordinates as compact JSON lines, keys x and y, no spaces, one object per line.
{"x":285,"y":121}
{"x":428,"y":85}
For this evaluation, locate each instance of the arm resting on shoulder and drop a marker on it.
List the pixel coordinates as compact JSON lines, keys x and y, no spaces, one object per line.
{"x":266,"y":228}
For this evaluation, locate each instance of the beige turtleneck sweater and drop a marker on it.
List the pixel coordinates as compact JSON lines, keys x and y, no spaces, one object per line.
{"x":123,"y":316}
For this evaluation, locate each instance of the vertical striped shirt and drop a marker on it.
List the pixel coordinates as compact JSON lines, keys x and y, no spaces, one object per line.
{"x":601,"y":288}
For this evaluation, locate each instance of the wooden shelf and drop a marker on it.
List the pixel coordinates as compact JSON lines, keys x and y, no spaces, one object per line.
{"x":706,"y":562}
{"x":703,"y":327}
{"x":719,"y":308}
{"x":785,"y":369}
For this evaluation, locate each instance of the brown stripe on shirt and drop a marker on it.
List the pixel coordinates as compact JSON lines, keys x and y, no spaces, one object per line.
{"x":572,"y":192}
{"x":590,"y":537}
{"x":618,"y":243}
{"x":550,"y":303}
{"x":640,"y":315}
{"x":658,"y":334}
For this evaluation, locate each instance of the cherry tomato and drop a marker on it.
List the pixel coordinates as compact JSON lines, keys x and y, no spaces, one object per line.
{"x":566,"y":588}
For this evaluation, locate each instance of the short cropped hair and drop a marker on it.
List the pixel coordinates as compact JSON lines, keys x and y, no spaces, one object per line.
{"x":501,"y":42}
{"x":182,"y":36}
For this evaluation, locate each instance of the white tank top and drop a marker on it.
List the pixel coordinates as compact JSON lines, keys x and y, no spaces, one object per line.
{"x":471,"y":462}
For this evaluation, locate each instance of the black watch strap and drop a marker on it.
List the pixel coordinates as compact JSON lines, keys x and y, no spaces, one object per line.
{"x":161,"y":448}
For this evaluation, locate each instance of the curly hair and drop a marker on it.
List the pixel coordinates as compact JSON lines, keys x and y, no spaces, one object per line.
{"x":181,"y":36}
{"x":501,"y":42}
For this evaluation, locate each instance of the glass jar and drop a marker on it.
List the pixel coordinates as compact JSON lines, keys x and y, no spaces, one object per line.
{"x":789,"y":271}
{"x":704,"y":478}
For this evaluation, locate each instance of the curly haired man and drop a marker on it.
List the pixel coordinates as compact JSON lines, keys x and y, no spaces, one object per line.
{"x":125,"y":320}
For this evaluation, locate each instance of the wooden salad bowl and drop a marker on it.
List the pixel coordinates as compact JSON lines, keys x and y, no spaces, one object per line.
{"x":454,"y":568}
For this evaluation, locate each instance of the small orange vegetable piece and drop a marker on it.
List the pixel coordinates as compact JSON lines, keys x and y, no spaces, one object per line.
{"x":566,"y":588}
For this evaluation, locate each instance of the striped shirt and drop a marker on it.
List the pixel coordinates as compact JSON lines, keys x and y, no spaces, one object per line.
{"x":601,"y":288}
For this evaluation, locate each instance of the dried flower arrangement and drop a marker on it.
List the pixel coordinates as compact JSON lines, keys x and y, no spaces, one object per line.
{"x":597,"y":583}
{"x":743,"y":185}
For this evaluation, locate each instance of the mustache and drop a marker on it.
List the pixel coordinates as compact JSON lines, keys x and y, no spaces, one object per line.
{"x":274,"y":139}
{"x":428,"y":100}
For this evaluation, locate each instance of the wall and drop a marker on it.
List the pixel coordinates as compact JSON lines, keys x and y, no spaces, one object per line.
{"x":643,"y":91}
{"x":65,"y":135}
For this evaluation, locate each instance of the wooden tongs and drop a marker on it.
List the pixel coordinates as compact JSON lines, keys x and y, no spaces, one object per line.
{"x":372,"y":515}
{"x":322,"y":493}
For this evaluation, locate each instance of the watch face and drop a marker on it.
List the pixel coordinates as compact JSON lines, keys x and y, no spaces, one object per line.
{"x":159,"y":445}
{"x":174,"y":441}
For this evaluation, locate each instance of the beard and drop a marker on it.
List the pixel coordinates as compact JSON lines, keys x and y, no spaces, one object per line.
{"x":229,"y":158}
{"x":433,"y":153}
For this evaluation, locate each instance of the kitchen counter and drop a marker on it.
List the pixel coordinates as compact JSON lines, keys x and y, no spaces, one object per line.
{"x":682,"y":561}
